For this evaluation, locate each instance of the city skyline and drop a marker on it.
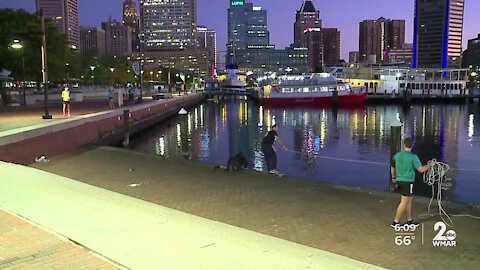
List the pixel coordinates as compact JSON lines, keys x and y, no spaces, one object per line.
{"x":281,"y":16}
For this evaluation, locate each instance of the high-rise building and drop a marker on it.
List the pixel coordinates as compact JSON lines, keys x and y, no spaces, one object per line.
{"x":247,"y":28}
{"x":207,"y":38}
{"x":118,"y":38}
{"x":438,"y":27}
{"x":92,"y":39}
{"x":471,"y":56}
{"x":312,"y":40}
{"x":307,"y":17}
{"x":249,"y":41}
{"x":168,"y":25}
{"x":331,"y":46}
{"x":63,"y":14}
{"x":131,"y":18}
{"x":379,"y":36}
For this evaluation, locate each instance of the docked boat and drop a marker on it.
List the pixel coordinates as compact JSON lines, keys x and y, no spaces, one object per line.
{"x":314,"y":89}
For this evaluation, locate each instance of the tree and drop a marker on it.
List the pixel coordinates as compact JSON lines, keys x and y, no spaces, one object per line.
{"x":25,"y":27}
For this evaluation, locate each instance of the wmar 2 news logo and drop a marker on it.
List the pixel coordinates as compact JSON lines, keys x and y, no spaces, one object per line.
{"x":444,"y":238}
{"x":405,"y":235}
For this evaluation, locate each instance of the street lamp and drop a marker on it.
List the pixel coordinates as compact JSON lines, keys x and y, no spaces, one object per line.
{"x":67,"y":65}
{"x":18,"y":46}
{"x":151,"y":76}
{"x":92,"y":67}
{"x":112,"y":69}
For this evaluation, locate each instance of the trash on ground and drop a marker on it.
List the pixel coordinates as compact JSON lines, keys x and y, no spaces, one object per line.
{"x":41,"y":159}
{"x":135,"y":185}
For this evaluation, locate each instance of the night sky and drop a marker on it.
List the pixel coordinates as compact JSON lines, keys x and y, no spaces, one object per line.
{"x":342,"y":14}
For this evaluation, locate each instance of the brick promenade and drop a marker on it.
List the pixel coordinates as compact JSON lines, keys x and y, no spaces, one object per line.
{"x":346,"y":221}
{"x":24,"y":245}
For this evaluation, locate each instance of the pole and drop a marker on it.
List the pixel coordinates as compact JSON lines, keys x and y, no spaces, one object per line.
{"x":169,"y":81}
{"x":395,"y":147}
{"x":23,"y":75}
{"x":126,"y":128}
{"x":141,"y":79}
{"x":44,"y":61}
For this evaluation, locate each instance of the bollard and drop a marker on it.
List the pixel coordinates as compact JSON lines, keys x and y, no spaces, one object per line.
{"x":395,"y":147}
{"x":335,"y":97}
{"x":126,"y":127}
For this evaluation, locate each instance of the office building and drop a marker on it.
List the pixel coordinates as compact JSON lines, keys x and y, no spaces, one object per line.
{"x":379,"y":36}
{"x":471,"y":56}
{"x":132,"y":19}
{"x":402,"y":56}
{"x":92,"y":40}
{"x":438,"y":26}
{"x":247,"y":28}
{"x":306,"y":17}
{"x":63,"y":14}
{"x":168,"y":25}
{"x":207,"y":38}
{"x":118,"y":38}
{"x":331,"y":46}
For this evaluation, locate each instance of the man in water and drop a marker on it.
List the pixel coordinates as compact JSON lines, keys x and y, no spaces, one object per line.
{"x":403,"y":166}
{"x":269,"y":152}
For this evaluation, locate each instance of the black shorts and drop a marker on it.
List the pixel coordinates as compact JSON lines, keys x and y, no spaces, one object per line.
{"x":66,"y":102}
{"x":405,"y":188}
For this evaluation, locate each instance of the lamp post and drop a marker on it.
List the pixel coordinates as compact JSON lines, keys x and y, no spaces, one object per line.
{"x":92,"y":68}
{"x":67,"y":66}
{"x":17,"y":45}
{"x":151,"y":76}
{"x":44,"y":60}
{"x":112,"y":69}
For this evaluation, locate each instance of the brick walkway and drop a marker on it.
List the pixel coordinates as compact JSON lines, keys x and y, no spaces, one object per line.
{"x":24,"y":245}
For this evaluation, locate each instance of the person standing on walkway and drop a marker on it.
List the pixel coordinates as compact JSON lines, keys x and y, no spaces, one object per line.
{"x":66,"y":101}
{"x":110,"y":98}
{"x":269,"y":151}
{"x":403,"y":167}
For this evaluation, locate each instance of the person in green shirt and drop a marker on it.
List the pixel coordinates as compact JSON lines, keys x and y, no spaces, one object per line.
{"x":403,"y":167}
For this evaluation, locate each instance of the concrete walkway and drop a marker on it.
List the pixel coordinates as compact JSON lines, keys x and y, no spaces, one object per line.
{"x":143,"y":235}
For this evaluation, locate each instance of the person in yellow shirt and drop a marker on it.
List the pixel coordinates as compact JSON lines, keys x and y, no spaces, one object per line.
{"x":66,"y":101}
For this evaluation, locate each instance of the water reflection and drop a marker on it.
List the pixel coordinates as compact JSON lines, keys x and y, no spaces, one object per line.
{"x":217,"y":130}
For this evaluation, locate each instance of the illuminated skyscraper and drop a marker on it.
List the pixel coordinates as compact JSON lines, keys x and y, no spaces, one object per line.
{"x":378,"y":37}
{"x":168,"y":25}
{"x":438,"y":26}
{"x":307,"y":17}
{"x":131,"y":18}
{"x":207,"y":38}
{"x":63,"y":14}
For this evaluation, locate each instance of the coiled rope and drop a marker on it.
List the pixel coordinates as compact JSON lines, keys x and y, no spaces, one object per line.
{"x":437,"y":174}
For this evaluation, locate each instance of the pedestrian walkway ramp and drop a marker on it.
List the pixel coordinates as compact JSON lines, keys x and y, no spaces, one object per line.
{"x":142,"y":235}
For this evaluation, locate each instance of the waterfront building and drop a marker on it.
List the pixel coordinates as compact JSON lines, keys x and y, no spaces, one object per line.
{"x":63,"y":14}
{"x":471,"y":56}
{"x":132,"y":19}
{"x":354,"y":57}
{"x":438,"y":27}
{"x":306,"y":17}
{"x":331,"y":46}
{"x":397,"y":80}
{"x":379,"y":36}
{"x":92,"y":39}
{"x":207,"y":38}
{"x":402,"y":55}
{"x":118,"y":38}
{"x":290,"y":59}
{"x":168,"y":25}
{"x":195,"y":60}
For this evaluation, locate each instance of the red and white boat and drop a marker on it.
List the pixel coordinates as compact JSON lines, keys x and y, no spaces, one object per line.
{"x":315,"y":89}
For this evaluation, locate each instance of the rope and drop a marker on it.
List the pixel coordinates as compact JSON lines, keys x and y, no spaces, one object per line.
{"x":437,"y":174}
{"x":344,"y":159}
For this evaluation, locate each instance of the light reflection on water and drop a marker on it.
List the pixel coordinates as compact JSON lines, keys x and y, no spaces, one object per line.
{"x":216,"y":130}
